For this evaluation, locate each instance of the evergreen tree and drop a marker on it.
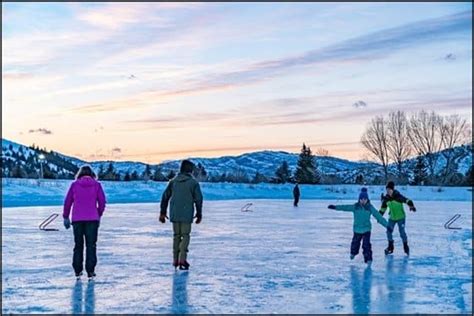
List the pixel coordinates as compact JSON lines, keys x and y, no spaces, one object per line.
{"x":170,"y":175}
{"x":468,"y":180}
{"x":283,"y":174}
{"x":158,"y":175}
{"x":18,"y":171}
{"x":259,"y":178}
{"x":48,"y":173}
{"x":420,"y":171}
{"x":110,"y":168}
{"x":110,"y":173}
{"x":127,"y":176}
{"x":147,"y":173}
{"x":222,"y":177}
{"x":100,"y":175}
{"x":134,"y":176}
{"x":306,"y":172}
{"x":359,"y":179}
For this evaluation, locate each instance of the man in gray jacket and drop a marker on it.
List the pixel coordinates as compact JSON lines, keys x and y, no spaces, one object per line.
{"x":183,"y":192}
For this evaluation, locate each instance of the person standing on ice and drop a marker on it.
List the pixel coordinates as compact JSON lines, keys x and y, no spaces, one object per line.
{"x":362,"y":210}
{"x":183,"y":193}
{"x":87,"y":199}
{"x":394,"y":201}
{"x":296,"y":194}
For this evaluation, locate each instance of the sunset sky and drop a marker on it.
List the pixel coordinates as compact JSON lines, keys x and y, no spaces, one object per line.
{"x":156,"y":81}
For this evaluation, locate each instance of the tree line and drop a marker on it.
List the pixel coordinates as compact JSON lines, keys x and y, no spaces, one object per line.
{"x":397,"y":137}
{"x":391,"y":139}
{"x":306,"y":173}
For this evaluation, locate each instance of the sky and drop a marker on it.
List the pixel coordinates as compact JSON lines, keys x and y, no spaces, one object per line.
{"x":156,"y":81}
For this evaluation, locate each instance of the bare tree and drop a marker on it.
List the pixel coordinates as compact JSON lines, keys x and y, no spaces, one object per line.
{"x":399,"y":146}
{"x":322,"y":152}
{"x":375,"y":140}
{"x":455,"y":131}
{"x":426,"y":136}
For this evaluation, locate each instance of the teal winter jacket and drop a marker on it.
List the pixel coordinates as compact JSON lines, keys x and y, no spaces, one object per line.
{"x":362,"y":216}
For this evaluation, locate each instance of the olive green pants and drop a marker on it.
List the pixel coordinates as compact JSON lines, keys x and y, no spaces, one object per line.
{"x":181,"y":240}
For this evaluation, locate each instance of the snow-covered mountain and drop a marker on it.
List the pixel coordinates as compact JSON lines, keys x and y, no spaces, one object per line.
{"x":264,"y":162}
{"x":23,"y":161}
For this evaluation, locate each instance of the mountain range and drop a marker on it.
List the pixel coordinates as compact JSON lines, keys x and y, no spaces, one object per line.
{"x":265,"y":162}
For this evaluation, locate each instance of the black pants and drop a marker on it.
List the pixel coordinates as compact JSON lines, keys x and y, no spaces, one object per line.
{"x":297,"y":199}
{"x":366,"y":246}
{"x":87,"y":230}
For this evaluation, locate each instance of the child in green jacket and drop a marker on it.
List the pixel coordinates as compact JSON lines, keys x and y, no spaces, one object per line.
{"x":394,"y":200}
{"x":362,"y":211}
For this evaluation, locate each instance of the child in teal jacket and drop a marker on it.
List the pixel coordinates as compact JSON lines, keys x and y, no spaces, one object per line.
{"x":362,"y":211}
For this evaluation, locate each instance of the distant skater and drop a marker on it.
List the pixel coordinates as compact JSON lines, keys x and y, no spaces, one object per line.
{"x":394,"y":201}
{"x":87,"y":199}
{"x":296,"y":195}
{"x":184,"y":194}
{"x":362,"y":210}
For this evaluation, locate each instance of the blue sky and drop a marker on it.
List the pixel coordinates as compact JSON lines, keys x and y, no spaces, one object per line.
{"x":171,"y":80}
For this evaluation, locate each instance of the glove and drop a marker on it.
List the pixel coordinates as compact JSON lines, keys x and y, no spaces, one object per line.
{"x":163,"y":218}
{"x":381,"y":213}
{"x":198,"y":219}
{"x":67,"y":223}
{"x":413,"y":209}
{"x":389,"y":229}
{"x":332,"y":207}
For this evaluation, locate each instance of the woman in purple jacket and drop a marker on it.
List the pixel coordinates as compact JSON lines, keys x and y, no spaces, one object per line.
{"x":87,"y":200}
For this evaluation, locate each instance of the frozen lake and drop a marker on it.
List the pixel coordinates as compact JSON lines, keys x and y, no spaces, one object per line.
{"x":275,"y":259}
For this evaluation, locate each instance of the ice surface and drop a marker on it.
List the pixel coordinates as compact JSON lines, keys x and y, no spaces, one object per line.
{"x":275,"y":259}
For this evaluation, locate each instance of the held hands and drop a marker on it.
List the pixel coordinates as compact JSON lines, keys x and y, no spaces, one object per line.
{"x":332,"y":207}
{"x":67,"y":223}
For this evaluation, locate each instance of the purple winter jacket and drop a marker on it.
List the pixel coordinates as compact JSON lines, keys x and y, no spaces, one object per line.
{"x":87,"y":199}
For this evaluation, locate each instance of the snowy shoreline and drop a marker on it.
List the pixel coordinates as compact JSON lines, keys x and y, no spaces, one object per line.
{"x":33,"y":192}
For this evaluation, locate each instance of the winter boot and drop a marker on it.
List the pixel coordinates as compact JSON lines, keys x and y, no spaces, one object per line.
{"x":184,"y":265}
{"x":78,"y":276}
{"x":352,"y":257}
{"x":389,"y":249}
{"x":176,"y":264}
{"x":406,"y":248}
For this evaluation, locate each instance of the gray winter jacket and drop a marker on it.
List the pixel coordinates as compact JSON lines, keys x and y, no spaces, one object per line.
{"x":185,"y":193}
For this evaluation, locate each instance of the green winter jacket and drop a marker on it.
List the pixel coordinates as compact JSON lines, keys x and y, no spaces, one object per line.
{"x":362,"y":216}
{"x":395,"y":205}
{"x":185,"y":193}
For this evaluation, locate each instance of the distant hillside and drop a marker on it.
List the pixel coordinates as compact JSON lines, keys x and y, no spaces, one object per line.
{"x":22,"y":161}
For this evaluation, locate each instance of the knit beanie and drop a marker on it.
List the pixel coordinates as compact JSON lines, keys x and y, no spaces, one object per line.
{"x":390,"y":185}
{"x":363,"y":194}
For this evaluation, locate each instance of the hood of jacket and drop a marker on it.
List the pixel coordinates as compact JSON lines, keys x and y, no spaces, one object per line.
{"x":183,"y":177}
{"x":86,"y":181}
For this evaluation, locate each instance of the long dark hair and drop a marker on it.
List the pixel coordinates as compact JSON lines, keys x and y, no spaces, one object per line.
{"x":84,"y":171}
